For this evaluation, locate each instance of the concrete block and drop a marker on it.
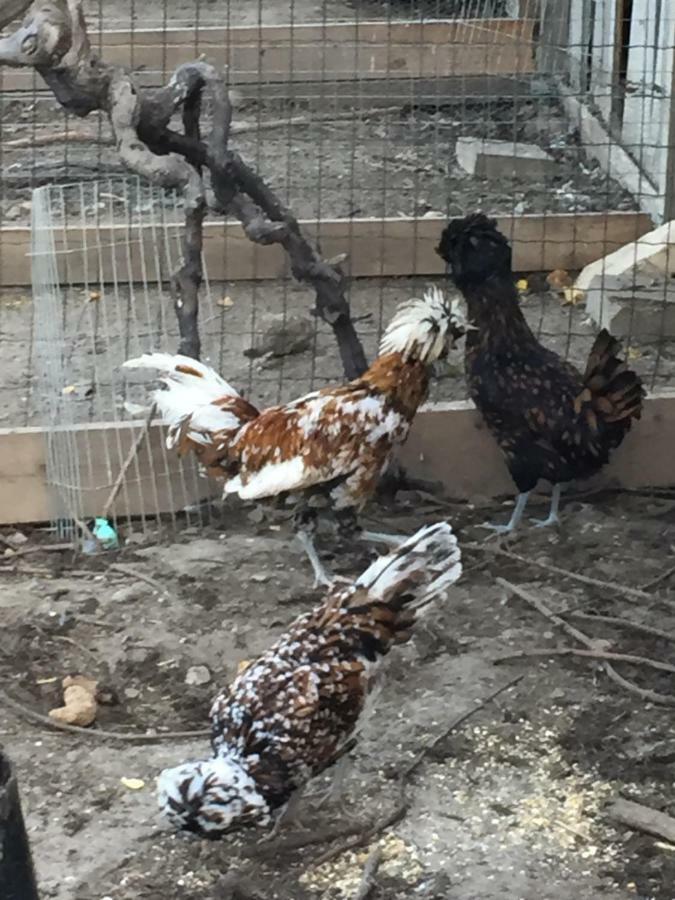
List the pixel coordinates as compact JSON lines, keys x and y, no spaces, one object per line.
{"x":648,"y":260}
{"x":632,"y":291}
{"x":503,"y":159}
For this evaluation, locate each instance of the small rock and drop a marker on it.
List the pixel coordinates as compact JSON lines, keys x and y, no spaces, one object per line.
{"x":260,"y":577}
{"x":14,"y":212}
{"x":17,"y":539}
{"x":198,"y":675}
{"x":282,"y":336}
{"x":256,"y":515}
{"x":126,"y":594}
{"x":131,"y":693}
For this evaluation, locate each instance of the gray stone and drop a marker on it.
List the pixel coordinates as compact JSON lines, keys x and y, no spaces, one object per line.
{"x":503,"y":159}
{"x":197,"y":675}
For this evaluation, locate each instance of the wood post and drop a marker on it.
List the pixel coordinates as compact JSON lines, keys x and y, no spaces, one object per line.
{"x":17,"y":876}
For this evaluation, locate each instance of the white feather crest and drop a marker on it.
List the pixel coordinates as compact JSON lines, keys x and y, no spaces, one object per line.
{"x":419,"y":328}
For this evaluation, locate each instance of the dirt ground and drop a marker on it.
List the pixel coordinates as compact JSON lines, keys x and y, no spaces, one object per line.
{"x":99,"y":340}
{"x":512,"y":804}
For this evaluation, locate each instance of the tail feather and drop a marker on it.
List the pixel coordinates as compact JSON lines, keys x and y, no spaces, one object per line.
{"x":195,"y":401}
{"x":417,"y":572}
{"x":616,"y":391}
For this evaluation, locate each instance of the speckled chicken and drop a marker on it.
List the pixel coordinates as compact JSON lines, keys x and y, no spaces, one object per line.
{"x":330,"y":446}
{"x":297,"y":709}
{"x":551,"y":421}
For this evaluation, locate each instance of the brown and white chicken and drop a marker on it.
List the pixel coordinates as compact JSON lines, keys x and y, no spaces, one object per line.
{"x":331,"y":445}
{"x":297,"y":709}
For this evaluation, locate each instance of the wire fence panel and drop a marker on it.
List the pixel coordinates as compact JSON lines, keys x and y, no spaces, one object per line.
{"x":373,"y":122}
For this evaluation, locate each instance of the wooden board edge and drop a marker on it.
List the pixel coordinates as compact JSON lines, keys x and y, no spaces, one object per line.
{"x":390,"y":247}
{"x":448,"y":444}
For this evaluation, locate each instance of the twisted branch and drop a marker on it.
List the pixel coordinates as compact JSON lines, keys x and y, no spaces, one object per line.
{"x":53,"y":40}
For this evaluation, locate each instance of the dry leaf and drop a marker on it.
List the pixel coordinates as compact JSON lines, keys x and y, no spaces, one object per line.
{"x":243,"y":665}
{"x":559,"y":279}
{"x":94,"y":295}
{"x":70,"y":389}
{"x":225,"y":302}
{"x":573,"y":296}
{"x":522,"y":285}
{"x":634,"y":353}
{"x":132,"y":784}
{"x":46,"y":680}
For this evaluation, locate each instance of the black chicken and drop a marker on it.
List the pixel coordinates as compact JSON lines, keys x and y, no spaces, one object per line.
{"x":550,"y":421}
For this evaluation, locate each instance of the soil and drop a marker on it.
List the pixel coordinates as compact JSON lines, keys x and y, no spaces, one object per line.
{"x":99,"y":340}
{"x":512,"y":804}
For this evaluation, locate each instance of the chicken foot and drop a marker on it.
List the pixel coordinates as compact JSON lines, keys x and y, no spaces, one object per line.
{"x":552,"y":517}
{"x":349,"y":528}
{"x":516,"y":516}
{"x":322,"y":577}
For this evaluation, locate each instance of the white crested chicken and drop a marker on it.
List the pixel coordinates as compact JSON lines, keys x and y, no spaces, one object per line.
{"x":295,"y":711}
{"x":331,"y":445}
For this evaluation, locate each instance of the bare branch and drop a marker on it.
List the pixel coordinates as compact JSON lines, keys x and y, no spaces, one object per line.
{"x":12,"y":9}
{"x":53,"y":40}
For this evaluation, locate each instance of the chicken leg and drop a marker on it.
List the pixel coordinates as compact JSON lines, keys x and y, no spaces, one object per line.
{"x":321,"y":575}
{"x":516,"y":516}
{"x":552,"y":518}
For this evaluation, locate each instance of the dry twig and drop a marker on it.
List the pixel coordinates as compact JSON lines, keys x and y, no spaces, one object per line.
{"x":623,"y":623}
{"x":362,"y":838}
{"x":369,"y":873}
{"x":588,"y":642}
{"x":131,"y":456}
{"x":34,"y":716}
{"x":662,"y":576}
{"x":643,"y":818}
{"x":588,"y":654}
{"x":627,"y":591}
{"x":134,"y":573}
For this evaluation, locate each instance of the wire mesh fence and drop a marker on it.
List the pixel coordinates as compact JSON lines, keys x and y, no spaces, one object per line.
{"x":373,"y":121}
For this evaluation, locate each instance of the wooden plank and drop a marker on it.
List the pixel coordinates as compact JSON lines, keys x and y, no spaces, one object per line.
{"x":157,"y":481}
{"x":469,"y":466}
{"x":302,"y":53}
{"x":362,"y":94}
{"x":376,"y":247}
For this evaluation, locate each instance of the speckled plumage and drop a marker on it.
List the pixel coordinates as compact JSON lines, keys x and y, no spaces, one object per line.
{"x":294,"y":711}
{"x":551,"y":421}
{"x":337,"y":441}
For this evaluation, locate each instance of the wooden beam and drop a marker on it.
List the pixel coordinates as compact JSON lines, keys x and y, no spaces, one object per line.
{"x":376,"y":247}
{"x":448,"y":443}
{"x":348,"y":51}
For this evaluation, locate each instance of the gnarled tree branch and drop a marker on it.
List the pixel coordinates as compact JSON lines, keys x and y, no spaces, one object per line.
{"x":53,"y":40}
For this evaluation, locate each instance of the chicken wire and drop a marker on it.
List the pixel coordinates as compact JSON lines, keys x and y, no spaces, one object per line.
{"x":344,"y":126}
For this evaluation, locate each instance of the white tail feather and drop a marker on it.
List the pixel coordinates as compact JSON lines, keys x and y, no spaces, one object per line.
{"x":432,"y":556}
{"x":190,"y":393}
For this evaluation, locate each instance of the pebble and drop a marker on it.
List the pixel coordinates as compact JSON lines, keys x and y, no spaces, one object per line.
{"x":198,"y":675}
